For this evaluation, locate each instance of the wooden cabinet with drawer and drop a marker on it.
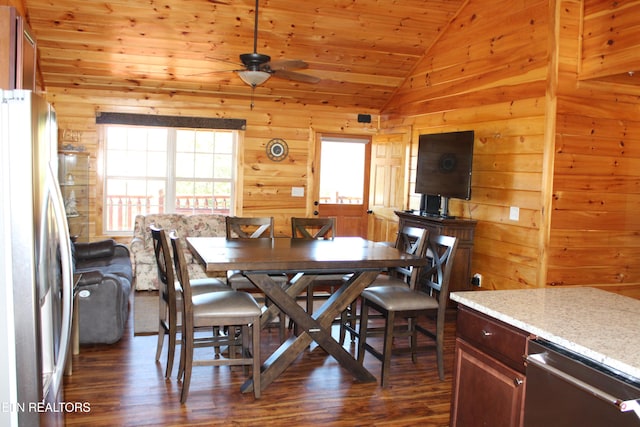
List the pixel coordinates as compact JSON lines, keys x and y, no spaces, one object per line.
{"x":489,"y":372}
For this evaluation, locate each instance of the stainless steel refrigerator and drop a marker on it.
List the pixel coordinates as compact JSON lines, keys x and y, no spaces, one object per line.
{"x":35,"y":265}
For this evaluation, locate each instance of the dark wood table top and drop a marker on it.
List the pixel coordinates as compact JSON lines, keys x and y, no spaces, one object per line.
{"x":257,"y":257}
{"x":345,"y":254}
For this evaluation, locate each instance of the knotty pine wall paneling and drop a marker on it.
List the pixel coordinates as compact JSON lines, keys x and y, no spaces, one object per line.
{"x":265,"y":186}
{"x":595,"y":228}
{"x":611,"y":30}
{"x":592,"y":127}
{"x":488,"y":73}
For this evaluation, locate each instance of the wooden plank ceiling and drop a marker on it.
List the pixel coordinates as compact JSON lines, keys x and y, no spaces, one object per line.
{"x":361,"y":50}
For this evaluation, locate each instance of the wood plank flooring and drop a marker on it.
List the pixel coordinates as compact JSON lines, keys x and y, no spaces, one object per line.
{"x":122,"y":385}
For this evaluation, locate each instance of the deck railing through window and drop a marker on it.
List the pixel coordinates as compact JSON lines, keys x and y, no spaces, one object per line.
{"x":202,"y":204}
{"x":341,"y":199}
{"x":121,"y":210}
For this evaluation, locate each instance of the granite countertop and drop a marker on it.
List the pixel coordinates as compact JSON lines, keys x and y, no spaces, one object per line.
{"x":597,"y":324}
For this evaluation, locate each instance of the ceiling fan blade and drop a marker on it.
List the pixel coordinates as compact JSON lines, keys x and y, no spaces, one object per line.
{"x":298,"y":77}
{"x":292,"y":64}
{"x":226,"y":61}
{"x":204,"y":73}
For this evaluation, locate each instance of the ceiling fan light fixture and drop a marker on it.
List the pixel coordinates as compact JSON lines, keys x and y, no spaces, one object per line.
{"x":254,"y":78}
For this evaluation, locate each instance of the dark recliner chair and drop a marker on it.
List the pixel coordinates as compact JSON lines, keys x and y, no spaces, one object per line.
{"x":103,"y":290}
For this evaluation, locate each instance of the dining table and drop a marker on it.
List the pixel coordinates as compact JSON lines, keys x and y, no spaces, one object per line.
{"x":359,"y":259}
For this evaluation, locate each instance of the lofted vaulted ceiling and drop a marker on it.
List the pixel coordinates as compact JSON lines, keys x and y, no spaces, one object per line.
{"x":361,"y":50}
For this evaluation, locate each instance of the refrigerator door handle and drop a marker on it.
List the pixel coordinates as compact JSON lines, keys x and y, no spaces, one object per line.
{"x":67,"y":275}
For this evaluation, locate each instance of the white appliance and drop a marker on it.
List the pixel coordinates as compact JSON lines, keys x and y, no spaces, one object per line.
{"x":35,"y":265}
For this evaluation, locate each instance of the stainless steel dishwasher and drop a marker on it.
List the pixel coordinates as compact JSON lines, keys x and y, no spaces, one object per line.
{"x":565,"y":389}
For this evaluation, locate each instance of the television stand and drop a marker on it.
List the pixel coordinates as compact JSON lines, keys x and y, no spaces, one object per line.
{"x":428,"y":206}
{"x":436,"y":215}
{"x":445,"y":207}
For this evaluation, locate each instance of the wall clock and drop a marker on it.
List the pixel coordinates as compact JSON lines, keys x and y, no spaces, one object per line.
{"x":277,"y":149}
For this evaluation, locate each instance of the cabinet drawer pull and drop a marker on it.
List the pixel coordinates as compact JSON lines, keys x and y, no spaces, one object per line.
{"x":486,"y":333}
{"x":518,"y":381}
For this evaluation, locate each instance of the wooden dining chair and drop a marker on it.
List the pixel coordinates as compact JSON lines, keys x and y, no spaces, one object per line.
{"x":170,"y":297}
{"x":410,"y":240}
{"x":312,"y":228}
{"x":249,"y":227}
{"x":253,"y":228}
{"x":216,"y":310}
{"x":318,"y":229}
{"x":426,"y":294}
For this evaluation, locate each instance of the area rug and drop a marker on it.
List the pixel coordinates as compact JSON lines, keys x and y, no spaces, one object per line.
{"x":145,"y":313}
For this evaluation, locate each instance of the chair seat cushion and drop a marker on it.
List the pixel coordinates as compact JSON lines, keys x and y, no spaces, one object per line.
{"x":399,"y":298}
{"x":224,"y":305}
{"x":386,"y":280}
{"x":202,"y":286}
{"x":199,"y":286}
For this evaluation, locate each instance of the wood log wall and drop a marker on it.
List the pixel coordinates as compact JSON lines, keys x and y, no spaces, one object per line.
{"x":610,"y":34}
{"x":562,"y":149}
{"x":488,"y":73}
{"x":544,"y":84}
{"x":266,"y":186}
{"x":595,"y":227}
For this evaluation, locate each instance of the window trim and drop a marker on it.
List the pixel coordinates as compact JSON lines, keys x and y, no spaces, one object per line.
{"x":129,"y":119}
{"x":103,"y":119}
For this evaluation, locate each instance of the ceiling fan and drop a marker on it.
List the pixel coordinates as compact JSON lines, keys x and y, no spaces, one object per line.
{"x":258,"y":68}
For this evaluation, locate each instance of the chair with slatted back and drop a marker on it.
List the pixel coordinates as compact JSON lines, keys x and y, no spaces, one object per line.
{"x":426,"y":294}
{"x":249,"y":227}
{"x":252,"y":228}
{"x":170,"y":297}
{"x":223,"y":309}
{"x":319,"y":229}
{"x":411,"y":240}
{"x":312,"y":228}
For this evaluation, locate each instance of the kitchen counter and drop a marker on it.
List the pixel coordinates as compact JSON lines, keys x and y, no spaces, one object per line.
{"x":600,"y":325}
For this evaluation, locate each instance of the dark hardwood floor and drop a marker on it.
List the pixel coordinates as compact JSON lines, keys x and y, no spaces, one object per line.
{"x":122,"y":385}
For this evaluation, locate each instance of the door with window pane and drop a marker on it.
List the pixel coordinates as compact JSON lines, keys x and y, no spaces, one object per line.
{"x":343,"y":190}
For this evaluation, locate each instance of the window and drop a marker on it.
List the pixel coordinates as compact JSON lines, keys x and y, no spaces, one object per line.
{"x":343,"y":182}
{"x":159,"y":169}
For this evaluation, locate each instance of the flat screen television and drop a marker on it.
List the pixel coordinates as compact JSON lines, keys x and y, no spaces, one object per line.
{"x":444,"y":166}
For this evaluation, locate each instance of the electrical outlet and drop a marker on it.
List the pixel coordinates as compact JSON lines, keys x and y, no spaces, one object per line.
{"x":476,"y":280}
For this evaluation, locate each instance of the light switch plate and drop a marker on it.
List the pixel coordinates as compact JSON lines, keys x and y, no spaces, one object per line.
{"x":514,"y":213}
{"x":297,"y":191}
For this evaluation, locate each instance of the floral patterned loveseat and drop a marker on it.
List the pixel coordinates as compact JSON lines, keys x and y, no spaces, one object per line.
{"x":144,"y":261}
